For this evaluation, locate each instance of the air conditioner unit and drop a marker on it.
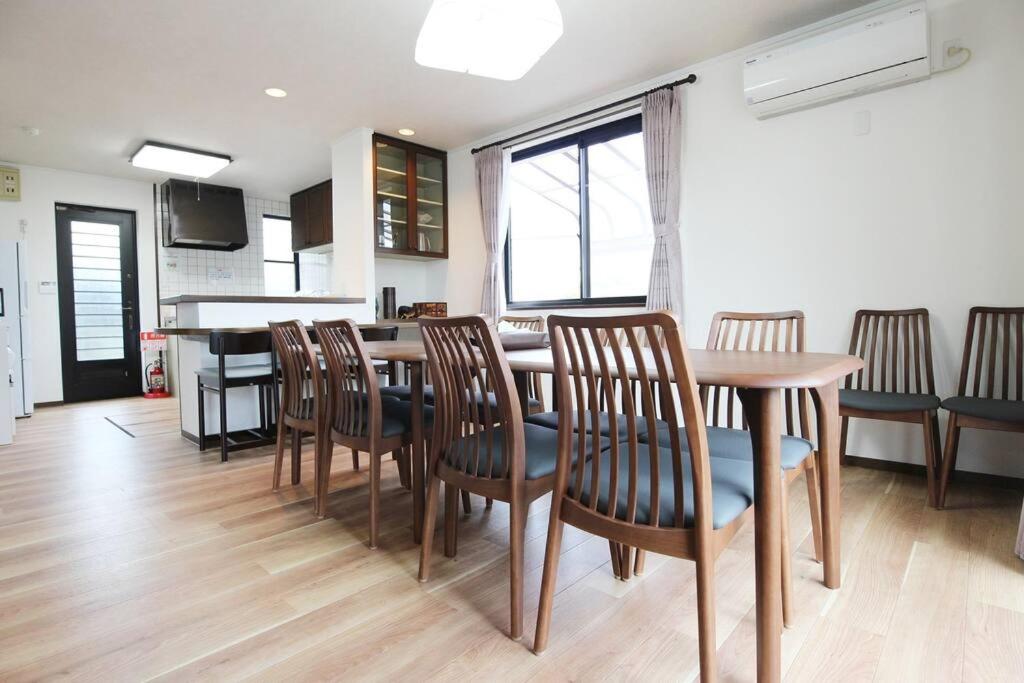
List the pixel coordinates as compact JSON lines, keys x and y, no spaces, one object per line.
{"x":853,"y":57}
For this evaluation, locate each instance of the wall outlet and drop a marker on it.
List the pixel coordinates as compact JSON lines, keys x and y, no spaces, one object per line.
{"x":10,"y":184}
{"x":951,"y":53}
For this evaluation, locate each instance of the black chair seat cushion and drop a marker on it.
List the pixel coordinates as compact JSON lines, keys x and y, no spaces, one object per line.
{"x":550,"y":420}
{"x":735,"y":444}
{"x":541,"y":452}
{"x":397,"y":417}
{"x":995,"y":409}
{"x":887,"y":401}
{"x":732,"y":487}
{"x":404,"y":393}
{"x":254,"y":373}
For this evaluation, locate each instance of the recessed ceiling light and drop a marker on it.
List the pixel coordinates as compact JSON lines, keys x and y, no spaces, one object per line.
{"x":192,"y":163}
{"x":276,"y":92}
{"x":406,"y":131}
{"x":492,"y":38}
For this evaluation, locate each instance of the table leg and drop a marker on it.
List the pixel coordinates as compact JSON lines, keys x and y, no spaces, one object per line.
{"x":522,"y":380}
{"x":418,"y":457}
{"x":826,"y":400}
{"x":763,"y":408}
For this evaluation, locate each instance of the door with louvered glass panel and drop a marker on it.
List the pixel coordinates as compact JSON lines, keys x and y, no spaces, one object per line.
{"x":99,"y":303}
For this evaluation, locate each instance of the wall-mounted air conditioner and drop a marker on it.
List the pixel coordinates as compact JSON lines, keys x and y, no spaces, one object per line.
{"x":853,"y":57}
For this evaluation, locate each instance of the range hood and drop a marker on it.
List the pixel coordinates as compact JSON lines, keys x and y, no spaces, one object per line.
{"x":202,"y":216}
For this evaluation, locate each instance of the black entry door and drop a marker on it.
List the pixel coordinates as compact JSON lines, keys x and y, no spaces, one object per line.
{"x":99,"y":303}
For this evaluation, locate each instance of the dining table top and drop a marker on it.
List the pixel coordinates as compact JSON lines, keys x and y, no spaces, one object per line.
{"x":748,"y":369}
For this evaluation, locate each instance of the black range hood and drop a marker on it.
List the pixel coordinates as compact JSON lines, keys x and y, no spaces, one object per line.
{"x":203,"y":216}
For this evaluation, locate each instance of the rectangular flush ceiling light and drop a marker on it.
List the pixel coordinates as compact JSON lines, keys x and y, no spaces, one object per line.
{"x":500,"y":39}
{"x":192,"y":163}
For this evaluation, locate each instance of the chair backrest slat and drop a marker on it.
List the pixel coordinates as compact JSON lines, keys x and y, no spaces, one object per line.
{"x":600,"y":351}
{"x":992,"y":359}
{"x":473,"y":394}
{"x":303,"y":387}
{"x":353,"y":395}
{"x":896,"y":348}
{"x":533,"y":323}
{"x":777,"y":331}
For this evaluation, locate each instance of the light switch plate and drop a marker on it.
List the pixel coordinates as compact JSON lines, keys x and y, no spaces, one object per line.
{"x":47,"y":286}
{"x":10,"y":184}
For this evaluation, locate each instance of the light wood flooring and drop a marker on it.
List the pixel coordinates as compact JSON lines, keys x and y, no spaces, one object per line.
{"x":131,"y":556}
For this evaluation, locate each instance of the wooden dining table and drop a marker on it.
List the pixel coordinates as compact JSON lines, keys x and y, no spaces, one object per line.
{"x":758,"y":378}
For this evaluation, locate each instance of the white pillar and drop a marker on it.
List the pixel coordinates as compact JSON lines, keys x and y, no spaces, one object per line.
{"x":352,"y":189}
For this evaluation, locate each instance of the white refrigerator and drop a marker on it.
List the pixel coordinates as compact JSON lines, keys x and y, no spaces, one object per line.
{"x":14,"y":315}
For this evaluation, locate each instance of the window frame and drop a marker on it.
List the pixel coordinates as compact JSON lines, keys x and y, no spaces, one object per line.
{"x":583,"y":139}
{"x":295,"y":254}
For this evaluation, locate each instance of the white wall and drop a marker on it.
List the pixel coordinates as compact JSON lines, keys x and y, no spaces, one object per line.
{"x":41,"y":189}
{"x":799,"y":212}
{"x":413,"y":280}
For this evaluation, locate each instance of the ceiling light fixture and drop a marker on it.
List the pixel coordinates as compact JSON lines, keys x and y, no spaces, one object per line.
{"x":406,"y":131}
{"x":276,"y":92}
{"x":192,"y":163}
{"x":491,"y":38}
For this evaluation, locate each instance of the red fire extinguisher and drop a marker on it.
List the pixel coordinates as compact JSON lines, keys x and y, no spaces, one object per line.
{"x":156,"y":380}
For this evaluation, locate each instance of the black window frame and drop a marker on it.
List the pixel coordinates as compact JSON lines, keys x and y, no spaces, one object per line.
{"x":583,"y":139}
{"x":295,"y":254}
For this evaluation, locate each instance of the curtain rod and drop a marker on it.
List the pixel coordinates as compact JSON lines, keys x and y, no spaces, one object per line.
{"x":692,"y":78}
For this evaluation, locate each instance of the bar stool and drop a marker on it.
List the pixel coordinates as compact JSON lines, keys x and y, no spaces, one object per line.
{"x":223,"y":377}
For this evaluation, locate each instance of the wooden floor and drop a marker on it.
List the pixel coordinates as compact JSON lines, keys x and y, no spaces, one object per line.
{"x":127,"y":555}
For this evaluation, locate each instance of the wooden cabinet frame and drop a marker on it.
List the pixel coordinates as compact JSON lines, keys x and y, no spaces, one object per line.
{"x":412,"y":235}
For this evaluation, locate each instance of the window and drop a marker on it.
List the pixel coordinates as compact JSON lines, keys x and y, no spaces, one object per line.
{"x":580,"y":232}
{"x":280,"y":263}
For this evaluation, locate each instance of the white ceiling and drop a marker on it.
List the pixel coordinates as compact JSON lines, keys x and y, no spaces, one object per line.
{"x":99,"y":77}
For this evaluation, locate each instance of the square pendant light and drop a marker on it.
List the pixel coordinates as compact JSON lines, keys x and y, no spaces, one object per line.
{"x":191,"y":163}
{"x":500,"y":39}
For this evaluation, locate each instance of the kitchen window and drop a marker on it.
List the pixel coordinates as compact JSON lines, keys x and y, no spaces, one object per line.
{"x":280,"y":263}
{"x":580,"y":231}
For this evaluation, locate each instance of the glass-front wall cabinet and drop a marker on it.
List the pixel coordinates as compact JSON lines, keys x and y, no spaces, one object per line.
{"x":411,"y":190}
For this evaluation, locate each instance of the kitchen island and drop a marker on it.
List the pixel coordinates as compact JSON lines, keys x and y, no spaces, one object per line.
{"x":189,"y":327}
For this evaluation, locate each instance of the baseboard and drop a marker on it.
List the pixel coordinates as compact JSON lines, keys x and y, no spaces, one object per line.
{"x":994,"y":480}
{"x":48,"y":404}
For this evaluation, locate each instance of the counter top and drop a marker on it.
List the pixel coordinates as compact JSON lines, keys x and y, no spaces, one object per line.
{"x":205,"y":331}
{"x":238,"y":299}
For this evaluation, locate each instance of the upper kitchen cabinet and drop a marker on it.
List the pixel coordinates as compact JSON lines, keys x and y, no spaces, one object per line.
{"x":410,"y":199}
{"x":312,"y":218}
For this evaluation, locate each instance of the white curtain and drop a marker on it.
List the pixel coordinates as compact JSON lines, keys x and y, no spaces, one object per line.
{"x":663,"y":130}
{"x":493,"y":167}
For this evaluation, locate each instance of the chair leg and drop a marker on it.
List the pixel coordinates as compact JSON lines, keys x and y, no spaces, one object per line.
{"x":641,"y":558}
{"x":787,"y":559}
{"x":429,"y":519}
{"x":405,"y":467}
{"x":930,"y":457}
{"x":324,"y":479}
{"x":202,"y":416}
{"x":625,"y":565}
{"x":467,"y":506}
{"x":279,"y":454}
{"x":843,"y":431}
{"x":488,"y":503}
{"x":517,"y":543}
{"x":296,"y":456}
{"x":451,"y":511}
{"x":707,"y":645}
{"x":547,"y":584}
{"x":949,"y":457}
{"x":814,"y":502}
{"x":374,"y":498}
{"x":223,"y":396}
{"x":616,"y":557}
{"x":355,"y":460}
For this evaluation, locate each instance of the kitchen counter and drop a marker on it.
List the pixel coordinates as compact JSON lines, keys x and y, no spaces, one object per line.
{"x":205,"y":331}
{"x":238,"y":299}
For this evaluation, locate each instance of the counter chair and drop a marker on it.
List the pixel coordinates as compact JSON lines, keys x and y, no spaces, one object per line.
{"x":302,"y":396}
{"x":482,"y":446}
{"x":219,"y":379}
{"x":673,"y":500}
{"x":896,"y":383}
{"x":356,"y":416}
{"x":990,"y":394}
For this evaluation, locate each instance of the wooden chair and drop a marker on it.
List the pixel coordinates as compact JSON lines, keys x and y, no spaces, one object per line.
{"x":302,"y":395}
{"x":533,"y":323}
{"x":481,"y":446}
{"x":355,"y":414}
{"x":896,"y":383}
{"x":782,"y":331}
{"x":385,"y":368}
{"x":990,"y":394}
{"x":219,"y":379}
{"x":672,"y":500}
